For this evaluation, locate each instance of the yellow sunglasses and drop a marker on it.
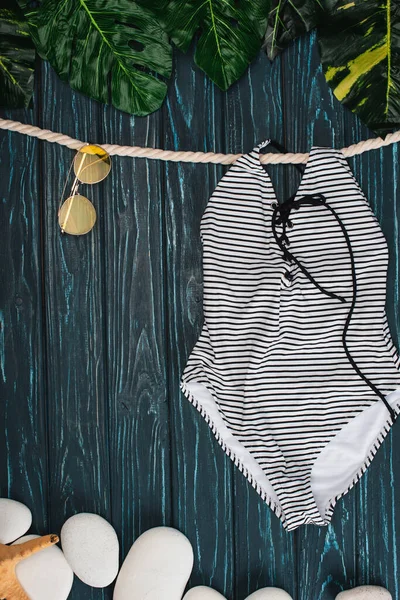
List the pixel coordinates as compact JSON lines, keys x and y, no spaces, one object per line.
{"x":77,"y":215}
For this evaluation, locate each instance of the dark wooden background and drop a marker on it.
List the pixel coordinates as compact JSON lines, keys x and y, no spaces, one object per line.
{"x":95,"y":332}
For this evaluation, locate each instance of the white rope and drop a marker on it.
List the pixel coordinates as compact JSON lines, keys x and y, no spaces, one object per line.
{"x":194,"y":157}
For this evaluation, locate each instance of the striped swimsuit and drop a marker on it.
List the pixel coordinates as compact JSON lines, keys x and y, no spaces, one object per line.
{"x":295,"y":370}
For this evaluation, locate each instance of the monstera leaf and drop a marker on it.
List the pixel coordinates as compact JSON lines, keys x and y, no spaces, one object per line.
{"x":118,"y":50}
{"x":111,"y":50}
{"x":288,"y":20}
{"x":360,"y":51}
{"x":230,"y":33}
{"x":17,"y":57}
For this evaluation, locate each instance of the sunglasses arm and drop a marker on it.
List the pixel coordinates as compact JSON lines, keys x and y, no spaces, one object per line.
{"x":74,"y":191}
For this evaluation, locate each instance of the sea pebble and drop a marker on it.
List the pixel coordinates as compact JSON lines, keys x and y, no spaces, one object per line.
{"x":203,"y":592}
{"x":157,"y":566}
{"x":91,"y":547}
{"x":270,"y":593}
{"x":45,"y":575}
{"x":15,"y":520}
{"x":365,"y":592}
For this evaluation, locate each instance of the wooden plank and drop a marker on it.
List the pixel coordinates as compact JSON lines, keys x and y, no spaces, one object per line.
{"x":378,"y":533}
{"x":134,"y":246}
{"x":79,"y":465}
{"x":201,"y":472}
{"x":264,"y":551}
{"x":23,"y":440}
{"x":326,"y":556}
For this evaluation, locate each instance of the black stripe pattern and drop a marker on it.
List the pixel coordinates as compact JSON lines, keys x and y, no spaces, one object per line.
{"x":295,"y":359}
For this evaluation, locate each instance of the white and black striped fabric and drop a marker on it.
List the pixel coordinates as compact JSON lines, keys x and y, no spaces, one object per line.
{"x":270,"y":371}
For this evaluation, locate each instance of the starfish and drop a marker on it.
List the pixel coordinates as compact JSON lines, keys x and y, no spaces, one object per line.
{"x":10,"y":556}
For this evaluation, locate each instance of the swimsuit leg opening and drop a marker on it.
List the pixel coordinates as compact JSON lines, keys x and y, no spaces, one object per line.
{"x":346,"y":457}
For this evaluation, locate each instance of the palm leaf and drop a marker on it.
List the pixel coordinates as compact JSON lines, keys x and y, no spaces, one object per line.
{"x":360,"y":50}
{"x":112,"y":50}
{"x":17,"y":57}
{"x":230,"y":33}
{"x":288,"y":20}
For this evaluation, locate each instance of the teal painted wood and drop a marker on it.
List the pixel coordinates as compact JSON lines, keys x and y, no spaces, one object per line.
{"x":94,"y":352}
{"x":74,"y":312}
{"x":23,"y":431}
{"x":201,"y":473}
{"x":132,"y":239}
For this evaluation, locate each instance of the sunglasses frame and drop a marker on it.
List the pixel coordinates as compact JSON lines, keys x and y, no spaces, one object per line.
{"x":77,"y":182}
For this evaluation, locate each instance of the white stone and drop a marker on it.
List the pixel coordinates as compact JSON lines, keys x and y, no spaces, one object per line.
{"x":203,"y":592}
{"x":15,"y":520}
{"x":91,"y":547}
{"x":157,"y":567}
{"x":270,"y":593}
{"x":45,"y":575}
{"x":365,"y":592}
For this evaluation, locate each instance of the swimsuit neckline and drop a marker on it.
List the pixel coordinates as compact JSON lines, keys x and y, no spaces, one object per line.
{"x":307,"y":166}
{"x":297,"y":193}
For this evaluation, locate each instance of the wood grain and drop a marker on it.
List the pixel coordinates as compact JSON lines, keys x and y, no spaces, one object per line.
{"x":23,"y":430}
{"x":79,"y":459}
{"x":132,"y":229}
{"x":201,"y":473}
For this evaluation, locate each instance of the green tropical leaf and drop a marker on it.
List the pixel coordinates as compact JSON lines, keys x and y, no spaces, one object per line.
{"x":17,"y":58}
{"x":360,"y":51}
{"x":31,"y":11}
{"x":230,"y":33}
{"x":288,"y":20}
{"x":112,"y":50}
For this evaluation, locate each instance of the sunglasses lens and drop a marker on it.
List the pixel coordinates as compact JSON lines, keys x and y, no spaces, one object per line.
{"x":92,"y":164}
{"x":77,"y":215}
